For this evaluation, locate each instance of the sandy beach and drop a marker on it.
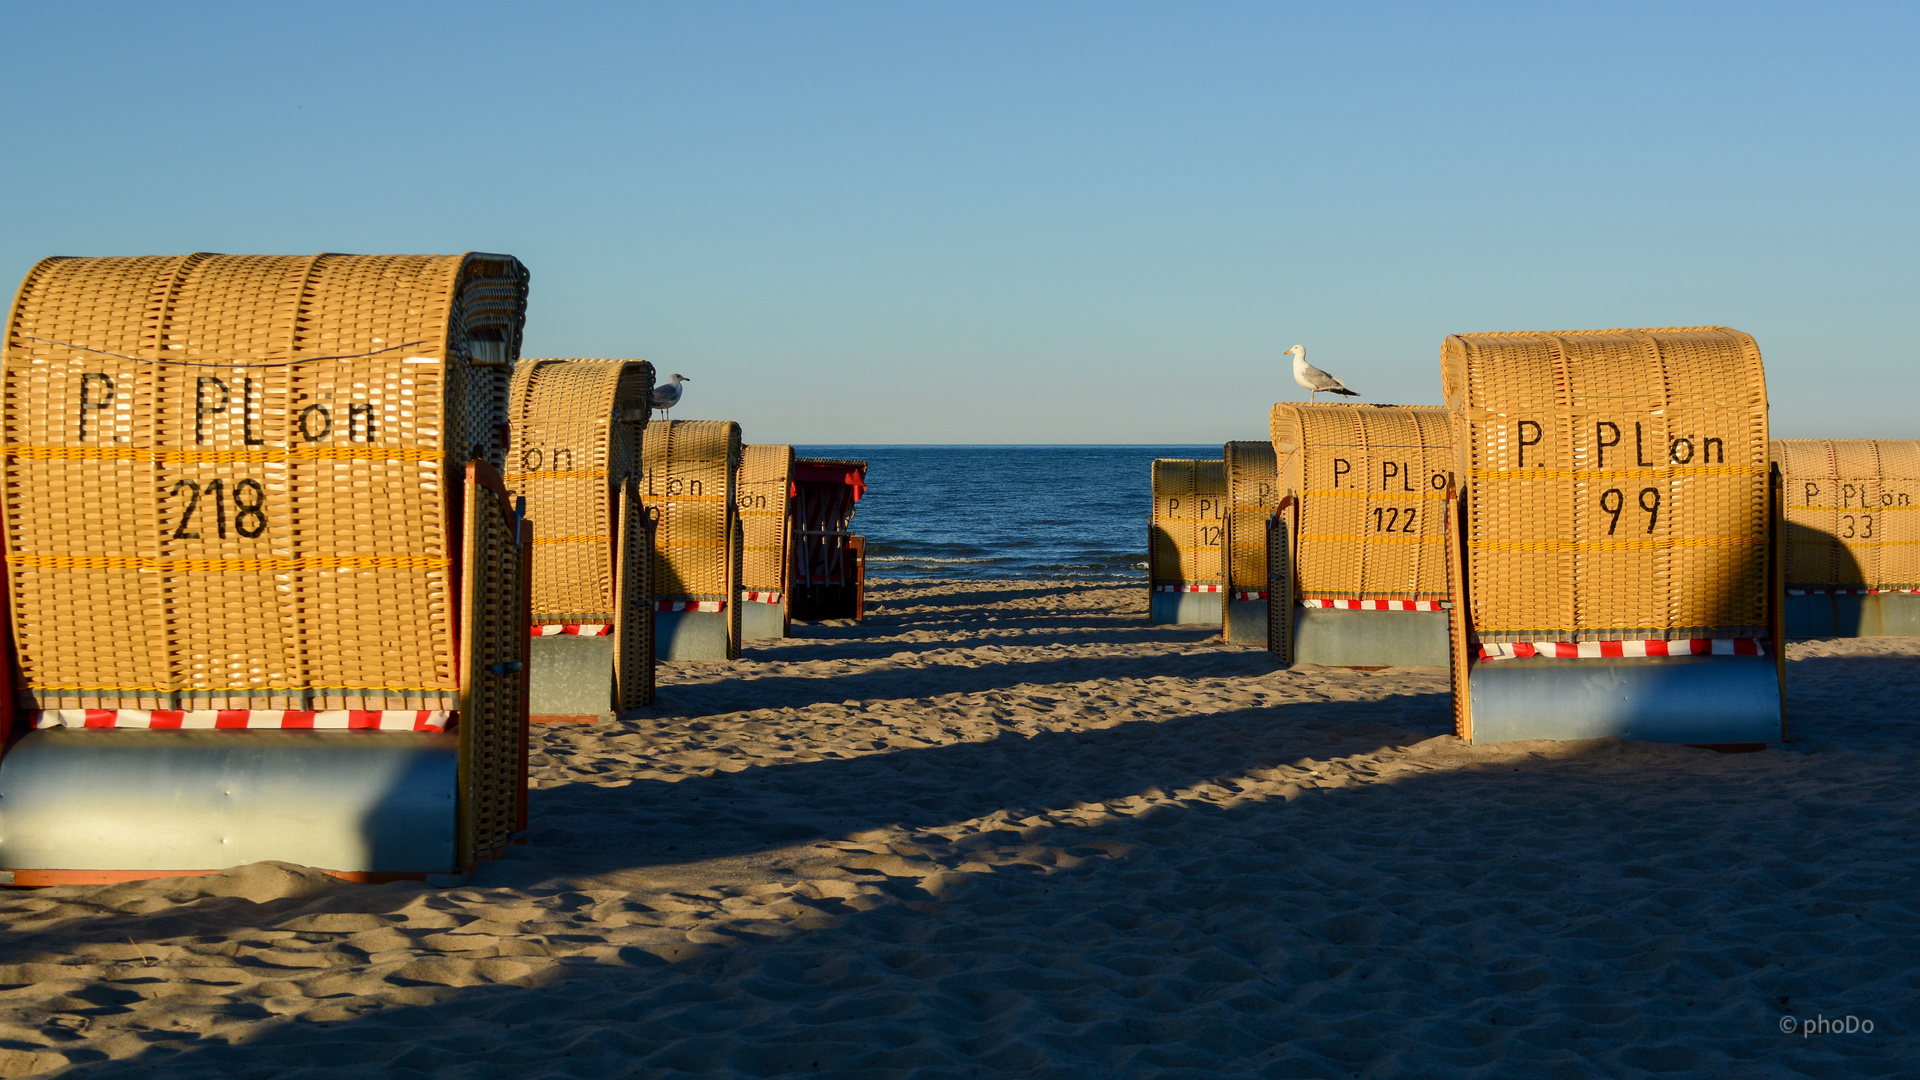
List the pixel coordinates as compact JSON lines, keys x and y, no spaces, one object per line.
{"x":1011,"y":830}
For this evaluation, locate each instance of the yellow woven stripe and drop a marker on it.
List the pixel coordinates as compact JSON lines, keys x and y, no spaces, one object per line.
{"x":558,"y":474}
{"x":311,"y":562}
{"x":1658,"y":472}
{"x":1851,"y":544}
{"x":582,"y":539}
{"x":1403,"y":497}
{"x":256,"y":689}
{"x":1376,"y":539}
{"x":1854,"y":509}
{"x":177,"y":456}
{"x":1613,"y":545}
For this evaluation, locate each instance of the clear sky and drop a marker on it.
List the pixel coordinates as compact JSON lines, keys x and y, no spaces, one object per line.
{"x":1025,"y":222}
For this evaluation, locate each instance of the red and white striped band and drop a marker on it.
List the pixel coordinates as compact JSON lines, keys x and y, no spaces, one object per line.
{"x":1380,"y":605}
{"x":1250,"y":594}
{"x":1588,"y":650}
{"x":580,"y":629}
{"x":1845,"y":592}
{"x":760,"y":597}
{"x":282,"y":719}
{"x":689,"y":605}
{"x":1187,"y":588}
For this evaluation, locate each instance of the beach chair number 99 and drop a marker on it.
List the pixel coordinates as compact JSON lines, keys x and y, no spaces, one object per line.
{"x":1649,"y":501}
{"x":249,"y":508}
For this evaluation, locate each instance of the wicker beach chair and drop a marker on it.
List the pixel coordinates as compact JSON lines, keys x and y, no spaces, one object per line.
{"x":1850,"y":542}
{"x":261,"y":563}
{"x":763,"y":489}
{"x":575,"y":457}
{"x":1364,"y":489}
{"x":688,"y":469}
{"x":1185,"y":541}
{"x":1612,"y":560}
{"x":1253,"y":494}
{"x":828,"y":575}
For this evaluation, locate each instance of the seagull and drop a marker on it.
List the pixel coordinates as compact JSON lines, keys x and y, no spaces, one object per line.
{"x":1312,"y":377}
{"x":666,"y":397}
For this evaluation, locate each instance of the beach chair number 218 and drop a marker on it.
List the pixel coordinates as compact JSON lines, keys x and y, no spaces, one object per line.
{"x":249,"y":508}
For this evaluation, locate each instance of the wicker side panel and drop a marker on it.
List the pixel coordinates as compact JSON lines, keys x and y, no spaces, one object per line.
{"x":573,"y":445}
{"x":1253,"y":491}
{"x":1370,"y":480}
{"x":226,"y":475}
{"x":1189,"y":521}
{"x":735,"y":555}
{"x":1614,"y":482}
{"x":1280,"y":584}
{"x":766,"y":474}
{"x":484,"y":325}
{"x":1459,"y":628}
{"x":1852,"y":512}
{"x":688,"y":468}
{"x":493,"y":693}
{"x":633,"y":658}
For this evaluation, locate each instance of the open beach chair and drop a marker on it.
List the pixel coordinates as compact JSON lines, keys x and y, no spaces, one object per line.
{"x":828,"y":576}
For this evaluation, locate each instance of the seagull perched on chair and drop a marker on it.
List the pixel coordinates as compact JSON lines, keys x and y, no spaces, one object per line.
{"x":666,"y":397}
{"x":1313,"y":378}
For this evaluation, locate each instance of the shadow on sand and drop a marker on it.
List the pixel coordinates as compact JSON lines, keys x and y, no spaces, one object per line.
{"x":1596,"y":909}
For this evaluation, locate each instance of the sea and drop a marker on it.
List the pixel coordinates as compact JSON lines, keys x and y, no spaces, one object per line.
{"x":992,"y":512}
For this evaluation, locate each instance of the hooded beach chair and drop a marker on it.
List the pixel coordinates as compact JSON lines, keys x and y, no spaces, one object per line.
{"x":269,"y":595}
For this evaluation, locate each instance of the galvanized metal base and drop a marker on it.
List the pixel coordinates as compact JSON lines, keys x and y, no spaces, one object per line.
{"x":690,"y":635}
{"x":1834,"y":615}
{"x":354,"y":801}
{"x":1701,"y":700}
{"x":760,"y":621}
{"x":1247,"y":622}
{"x":1184,"y":608}
{"x":570,"y":675}
{"x":1347,"y":637}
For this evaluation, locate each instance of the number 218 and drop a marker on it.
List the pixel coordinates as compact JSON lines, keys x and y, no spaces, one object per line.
{"x":249,"y":508}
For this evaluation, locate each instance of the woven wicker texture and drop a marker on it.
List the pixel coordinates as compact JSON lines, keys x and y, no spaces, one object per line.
{"x":1614,"y":483}
{"x":1852,"y":512}
{"x":493,"y":698}
{"x":1370,"y":480}
{"x":227,"y":477}
{"x":1253,"y":491}
{"x":1189,"y":521}
{"x":1280,"y":607}
{"x":766,"y":476}
{"x":576,"y":439}
{"x":688,"y":468}
{"x":633,"y":657}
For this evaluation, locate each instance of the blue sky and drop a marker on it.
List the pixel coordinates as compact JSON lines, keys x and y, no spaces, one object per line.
{"x":855,"y":223}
